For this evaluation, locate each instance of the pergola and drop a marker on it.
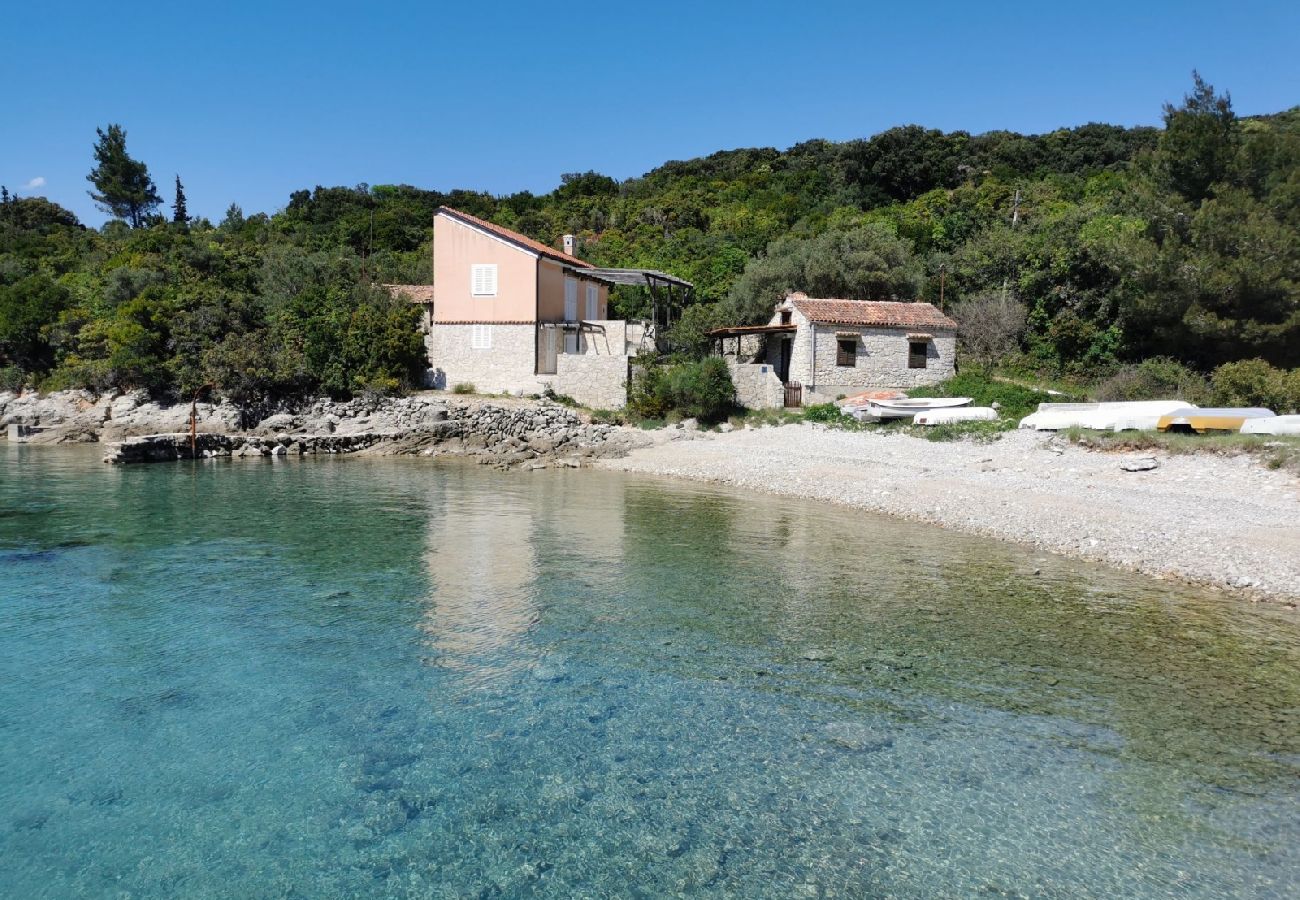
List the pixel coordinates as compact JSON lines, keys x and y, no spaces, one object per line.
{"x":666,"y":291}
{"x":740,"y":331}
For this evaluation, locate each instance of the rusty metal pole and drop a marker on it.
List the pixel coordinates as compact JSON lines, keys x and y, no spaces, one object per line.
{"x":194,"y":419}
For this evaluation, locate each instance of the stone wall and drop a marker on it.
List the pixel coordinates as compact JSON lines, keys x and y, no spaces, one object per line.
{"x":757,"y":386}
{"x":508,"y":365}
{"x":597,"y":381}
{"x":604,"y":338}
{"x":882,"y":356}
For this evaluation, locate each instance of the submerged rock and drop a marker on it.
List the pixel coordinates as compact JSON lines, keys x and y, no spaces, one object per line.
{"x":854,"y":736}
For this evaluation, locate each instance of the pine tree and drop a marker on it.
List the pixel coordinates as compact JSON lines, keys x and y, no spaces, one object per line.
{"x":179,"y":213}
{"x":1201,"y":140}
{"x":124,"y":188}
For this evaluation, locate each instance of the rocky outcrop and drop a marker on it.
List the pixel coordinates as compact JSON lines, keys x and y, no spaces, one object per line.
{"x":507,"y":434}
{"x":75,"y":416}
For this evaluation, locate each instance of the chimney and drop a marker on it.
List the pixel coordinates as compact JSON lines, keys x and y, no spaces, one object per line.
{"x":569,"y":244}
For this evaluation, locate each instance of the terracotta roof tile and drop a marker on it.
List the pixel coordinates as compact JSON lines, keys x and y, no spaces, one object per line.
{"x":419,"y":293}
{"x":872,"y":313}
{"x":515,"y":237}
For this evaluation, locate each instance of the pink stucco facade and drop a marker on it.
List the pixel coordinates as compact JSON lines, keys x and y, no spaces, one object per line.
{"x":529,"y":287}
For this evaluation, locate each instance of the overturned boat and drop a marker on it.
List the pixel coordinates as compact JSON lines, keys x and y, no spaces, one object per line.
{"x":1276,"y":425}
{"x":1228,"y":418}
{"x":1135,"y":415}
{"x":904,"y":407}
{"x":956,"y":414}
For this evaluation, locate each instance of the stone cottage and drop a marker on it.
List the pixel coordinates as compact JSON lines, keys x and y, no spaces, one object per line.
{"x":821,"y":349}
{"x":506,"y":313}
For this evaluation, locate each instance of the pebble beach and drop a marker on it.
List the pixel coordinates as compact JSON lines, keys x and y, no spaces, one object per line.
{"x":1222,"y":521}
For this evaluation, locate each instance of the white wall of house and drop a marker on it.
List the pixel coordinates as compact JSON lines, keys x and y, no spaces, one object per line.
{"x":493,"y":357}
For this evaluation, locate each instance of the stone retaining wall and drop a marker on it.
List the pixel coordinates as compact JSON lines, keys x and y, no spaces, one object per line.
{"x":599,"y":382}
{"x":757,"y":386}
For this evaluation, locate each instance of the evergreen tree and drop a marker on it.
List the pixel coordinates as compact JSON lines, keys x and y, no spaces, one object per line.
{"x":1200,"y":141}
{"x":179,"y":213}
{"x":123,"y":186}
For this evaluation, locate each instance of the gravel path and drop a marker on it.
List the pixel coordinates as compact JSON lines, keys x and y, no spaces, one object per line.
{"x":1225,"y":521}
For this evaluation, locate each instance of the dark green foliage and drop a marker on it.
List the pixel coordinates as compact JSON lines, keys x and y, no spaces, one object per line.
{"x":1159,"y":378}
{"x":699,"y":389}
{"x":1253,"y":382}
{"x":123,"y":187}
{"x":1200,"y":142}
{"x":28,"y":310}
{"x":180,"y":214}
{"x":870,"y":262}
{"x":689,"y":334}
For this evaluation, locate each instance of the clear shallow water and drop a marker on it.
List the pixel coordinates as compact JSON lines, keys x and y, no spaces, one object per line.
{"x":400,"y":678}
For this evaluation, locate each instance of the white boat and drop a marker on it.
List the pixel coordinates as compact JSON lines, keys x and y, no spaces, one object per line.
{"x":1141,"y":415}
{"x":956,"y":414}
{"x":1137,"y":415}
{"x":1272,"y":425}
{"x":905,"y":408}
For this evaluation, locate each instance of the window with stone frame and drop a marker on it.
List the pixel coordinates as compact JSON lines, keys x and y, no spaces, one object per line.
{"x":846,"y":351}
{"x":917,"y":352}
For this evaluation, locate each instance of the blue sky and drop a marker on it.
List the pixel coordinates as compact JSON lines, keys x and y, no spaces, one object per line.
{"x":250,"y":101}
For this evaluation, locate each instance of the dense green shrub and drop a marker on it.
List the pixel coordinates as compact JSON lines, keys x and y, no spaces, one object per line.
{"x":701,"y":389}
{"x":1159,"y":378}
{"x":1253,"y":382}
{"x":12,"y":378}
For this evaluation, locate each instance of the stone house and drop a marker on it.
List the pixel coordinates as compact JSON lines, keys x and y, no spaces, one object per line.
{"x":821,"y":349}
{"x":506,"y":313}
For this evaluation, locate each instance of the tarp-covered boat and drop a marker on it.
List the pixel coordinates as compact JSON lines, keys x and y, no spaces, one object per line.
{"x":1200,"y":420}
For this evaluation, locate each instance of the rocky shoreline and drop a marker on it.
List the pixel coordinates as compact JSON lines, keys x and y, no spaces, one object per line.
{"x":1226,"y":522}
{"x":504,"y":432}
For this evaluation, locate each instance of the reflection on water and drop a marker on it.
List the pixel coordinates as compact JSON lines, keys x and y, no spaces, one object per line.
{"x":403,"y":678}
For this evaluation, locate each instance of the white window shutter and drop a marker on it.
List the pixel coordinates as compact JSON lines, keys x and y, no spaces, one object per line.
{"x":483,"y":280}
{"x":570,"y":299}
{"x":480,"y":337}
{"x":593,"y":301}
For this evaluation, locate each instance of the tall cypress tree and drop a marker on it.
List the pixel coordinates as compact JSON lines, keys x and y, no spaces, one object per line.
{"x":123,"y":186}
{"x":179,"y":213}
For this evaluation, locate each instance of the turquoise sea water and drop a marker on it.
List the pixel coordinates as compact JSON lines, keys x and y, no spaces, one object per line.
{"x":352,"y":677}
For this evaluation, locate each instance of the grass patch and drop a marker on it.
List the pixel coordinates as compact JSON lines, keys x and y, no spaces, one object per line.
{"x":758,"y":418}
{"x":977,"y":432}
{"x":463,"y":387}
{"x":609,"y":417}
{"x":1274,"y":451}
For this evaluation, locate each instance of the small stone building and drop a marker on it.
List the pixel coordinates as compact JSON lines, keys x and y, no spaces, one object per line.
{"x":816,"y":350}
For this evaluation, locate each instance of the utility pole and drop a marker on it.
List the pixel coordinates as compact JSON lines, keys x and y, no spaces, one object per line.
{"x":943,"y":277}
{"x":1015,"y":209}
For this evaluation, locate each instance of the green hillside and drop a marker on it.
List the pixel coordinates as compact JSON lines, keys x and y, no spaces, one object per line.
{"x":1110,"y":244}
